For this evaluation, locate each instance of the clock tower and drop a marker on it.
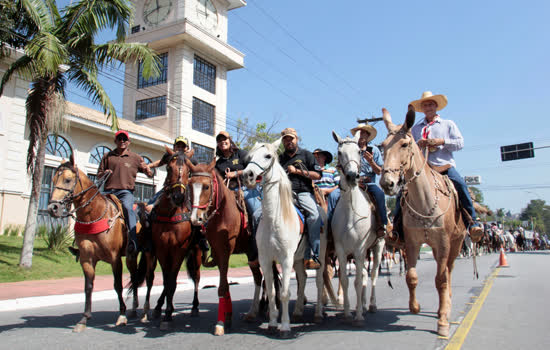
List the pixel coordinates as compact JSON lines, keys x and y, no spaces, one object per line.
{"x":189,"y":97}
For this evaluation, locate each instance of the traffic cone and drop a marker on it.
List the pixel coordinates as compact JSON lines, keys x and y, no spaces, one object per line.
{"x":502,"y":262}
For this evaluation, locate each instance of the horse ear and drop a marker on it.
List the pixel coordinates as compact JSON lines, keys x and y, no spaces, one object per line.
{"x":190,"y":154}
{"x":387,"y":119}
{"x":212,"y":164}
{"x":277,"y":143}
{"x":189,"y":164}
{"x":71,"y":159}
{"x":409,"y":119}
{"x":336,"y":137}
{"x":357,"y":137}
{"x":168,"y":150}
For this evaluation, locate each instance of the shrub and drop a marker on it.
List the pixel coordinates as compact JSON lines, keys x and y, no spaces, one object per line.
{"x":42,"y":231}
{"x":58,"y":238}
{"x":13,"y":230}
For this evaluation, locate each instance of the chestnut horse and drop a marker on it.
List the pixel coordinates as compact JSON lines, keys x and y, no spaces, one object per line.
{"x":100,"y":232}
{"x":430,"y":212}
{"x":214,"y":209}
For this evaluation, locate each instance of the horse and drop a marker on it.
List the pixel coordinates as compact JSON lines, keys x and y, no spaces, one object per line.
{"x":215,"y":210}
{"x":430,"y":212}
{"x":172,"y":240}
{"x":100,"y":232}
{"x":278,"y":234}
{"x":353,"y":229}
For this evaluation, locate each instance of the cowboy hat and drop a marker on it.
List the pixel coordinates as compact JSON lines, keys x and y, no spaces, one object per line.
{"x":368,"y":128}
{"x":441,"y":101}
{"x":327,"y":155}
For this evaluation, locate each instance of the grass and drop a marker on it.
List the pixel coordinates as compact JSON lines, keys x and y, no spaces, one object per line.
{"x":49,"y":264}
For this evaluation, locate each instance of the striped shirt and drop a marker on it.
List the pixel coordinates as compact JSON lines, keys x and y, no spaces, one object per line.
{"x":329,"y":178}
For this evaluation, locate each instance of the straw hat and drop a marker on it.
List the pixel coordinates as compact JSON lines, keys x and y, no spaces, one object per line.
{"x":441,"y":101}
{"x":368,"y":128}
{"x":327,"y":154}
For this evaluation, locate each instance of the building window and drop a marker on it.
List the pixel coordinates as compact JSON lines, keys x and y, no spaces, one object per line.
{"x":97,"y":154}
{"x":204,"y":75}
{"x":148,"y":161}
{"x":151,"y":107}
{"x":135,"y":29}
{"x":57,"y":146}
{"x":203,"y":116}
{"x":152,"y":81}
{"x":203,"y":154}
{"x":143,"y":192}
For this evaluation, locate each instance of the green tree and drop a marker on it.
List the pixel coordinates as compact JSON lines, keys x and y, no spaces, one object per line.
{"x":538,"y":213}
{"x":247,"y":136}
{"x":477,"y":194}
{"x":61,"y":49}
{"x":15,"y":27}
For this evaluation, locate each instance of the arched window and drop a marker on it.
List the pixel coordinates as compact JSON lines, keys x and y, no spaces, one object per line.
{"x":58,"y":146}
{"x":97,"y":154}
{"x":148,"y":160}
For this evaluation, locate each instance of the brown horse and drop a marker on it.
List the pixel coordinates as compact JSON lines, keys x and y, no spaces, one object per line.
{"x":430,"y":212}
{"x":172,"y":239}
{"x":100,"y":232}
{"x":215,"y":210}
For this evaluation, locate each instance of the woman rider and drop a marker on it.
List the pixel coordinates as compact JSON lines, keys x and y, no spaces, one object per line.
{"x":230,"y":164}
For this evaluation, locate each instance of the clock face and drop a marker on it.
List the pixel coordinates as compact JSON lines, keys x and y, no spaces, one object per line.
{"x":156,"y":11}
{"x":207,"y":14}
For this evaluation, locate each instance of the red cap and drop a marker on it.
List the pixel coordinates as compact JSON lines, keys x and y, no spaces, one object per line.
{"x":122,"y":132}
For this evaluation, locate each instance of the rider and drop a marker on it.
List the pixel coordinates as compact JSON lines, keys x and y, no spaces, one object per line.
{"x":442,"y":137}
{"x":371,"y":165}
{"x":124,"y":166}
{"x":330,"y":178}
{"x":302,"y":167}
{"x":230,"y":164}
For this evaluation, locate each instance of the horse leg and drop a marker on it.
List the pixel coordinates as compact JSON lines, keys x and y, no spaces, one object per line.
{"x":170,"y":278}
{"x":342,"y":261}
{"x":131,"y":264}
{"x":412,"y":251}
{"x":160,"y":302}
{"x":270,"y":289}
{"x":117,"y":274}
{"x":301,"y":276}
{"x":194,"y":261}
{"x":149,"y":278}
{"x":286,"y":266}
{"x":225,"y":308}
{"x":374,"y":276}
{"x":319,"y":279}
{"x":441,"y":256}
{"x":254,"y":308}
{"x":358,"y":282}
{"x":88,"y":267}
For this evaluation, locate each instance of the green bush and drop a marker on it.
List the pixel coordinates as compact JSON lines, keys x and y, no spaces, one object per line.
{"x":58,"y":238}
{"x":42,"y":231}
{"x":13,"y":230}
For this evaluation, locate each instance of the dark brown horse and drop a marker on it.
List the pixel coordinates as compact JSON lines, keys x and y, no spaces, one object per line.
{"x":172,"y":239}
{"x":215,"y":210}
{"x":100,"y":232}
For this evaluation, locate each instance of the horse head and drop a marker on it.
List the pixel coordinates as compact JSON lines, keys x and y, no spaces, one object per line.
{"x":64,"y":183}
{"x":203,"y":183}
{"x":177,"y":176}
{"x":260,"y":160}
{"x":349,"y":158}
{"x":398,"y":149}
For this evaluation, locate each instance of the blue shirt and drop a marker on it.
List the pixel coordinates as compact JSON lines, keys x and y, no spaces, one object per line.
{"x":441,"y":129}
{"x":366,"y":169}
{"x":329,"y":178}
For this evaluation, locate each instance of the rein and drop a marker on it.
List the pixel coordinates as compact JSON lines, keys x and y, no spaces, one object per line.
{"x":214,"y":185}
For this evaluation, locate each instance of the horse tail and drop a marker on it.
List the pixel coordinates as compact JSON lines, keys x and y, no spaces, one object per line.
{"x":191,"y":263}
{"x":138,"y":277}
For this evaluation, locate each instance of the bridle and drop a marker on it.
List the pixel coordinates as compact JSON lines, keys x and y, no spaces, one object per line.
{"x":179,"y":183}
{"x":343,"y":167}
{"x":262,"y":169}
{"x":214,"y":192}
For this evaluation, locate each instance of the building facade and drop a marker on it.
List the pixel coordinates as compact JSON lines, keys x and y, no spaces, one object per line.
{"x":189,"y":98}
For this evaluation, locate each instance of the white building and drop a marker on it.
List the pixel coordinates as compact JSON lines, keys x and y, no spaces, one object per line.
{"x":189,"y":98}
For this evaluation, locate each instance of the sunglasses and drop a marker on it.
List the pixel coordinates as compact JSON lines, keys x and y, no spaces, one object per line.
{"x":122,"y":138}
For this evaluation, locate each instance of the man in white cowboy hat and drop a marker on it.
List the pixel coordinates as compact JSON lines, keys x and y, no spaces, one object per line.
{"x":371,"y":165}
{"x":442,"y":137}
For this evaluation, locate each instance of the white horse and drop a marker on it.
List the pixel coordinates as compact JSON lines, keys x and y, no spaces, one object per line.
{"x":353,"y":229}
{"x":278,"y":234}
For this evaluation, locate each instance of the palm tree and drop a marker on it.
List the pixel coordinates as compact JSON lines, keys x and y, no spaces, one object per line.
{"x":61,"y":50}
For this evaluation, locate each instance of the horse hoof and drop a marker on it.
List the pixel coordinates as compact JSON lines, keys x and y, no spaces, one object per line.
{"x":348,"y":319}
{"x":156,"y":314}
{"x":165,"y":325}
{"x":219,"y":330}
{"x":271,"y":329}
{"x":297,"y":319}
{"x":373,"y":309}
{"x":317,"y":319}
{"x":121,"y":321}
{"x":144,"y":318}
{"x":195,"y":313}
{"x":132,"y":314}
{"x":415,"y":308}
{"x":443,"y":331}
{"x":285,"y":334}
{"x":79,"y":328}
{"x":249,"y":317}
{"x":358,"y":323}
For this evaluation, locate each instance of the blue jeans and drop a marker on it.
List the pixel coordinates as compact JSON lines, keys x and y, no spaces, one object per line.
{"x":306,"y":202}
{"x":126,"y":198}
{"x":155,"y":197}
{"x":376,"y":191}
{"x":253,"y":206}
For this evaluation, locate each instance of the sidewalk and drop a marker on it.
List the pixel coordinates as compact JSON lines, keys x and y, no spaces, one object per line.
{"x":31,"y":294}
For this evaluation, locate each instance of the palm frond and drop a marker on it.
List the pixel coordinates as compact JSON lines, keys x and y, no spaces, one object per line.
{"x":23,"y":66}
{"x":47,"y":49}
{"x":89,"y":82}
{"x":40,"y":12}
{"x":129,"y":53}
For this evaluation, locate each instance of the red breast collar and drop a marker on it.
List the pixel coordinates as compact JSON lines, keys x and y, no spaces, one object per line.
{"x":92,"y":228}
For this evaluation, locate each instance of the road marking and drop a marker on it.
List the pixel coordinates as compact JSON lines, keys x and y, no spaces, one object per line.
{"x":462,"y":332}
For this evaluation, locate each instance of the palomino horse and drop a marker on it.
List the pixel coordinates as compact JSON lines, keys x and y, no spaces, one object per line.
{"x":100,"y":232}
{"x":353,"y":229}
{"x":278,"y":235}
{"x":430,"y":212}
{"x":172,"y":239}
{"x":214,"y":209}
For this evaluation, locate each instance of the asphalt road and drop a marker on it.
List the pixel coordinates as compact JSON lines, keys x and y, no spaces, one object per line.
{"x":513,"y":315}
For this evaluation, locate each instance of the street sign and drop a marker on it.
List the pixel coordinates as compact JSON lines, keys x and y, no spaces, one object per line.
{"x":472,"y":180}
{"x":518,"y":151}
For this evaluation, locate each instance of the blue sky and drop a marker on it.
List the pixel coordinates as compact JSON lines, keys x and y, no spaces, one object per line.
{"x":318,"y":65}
